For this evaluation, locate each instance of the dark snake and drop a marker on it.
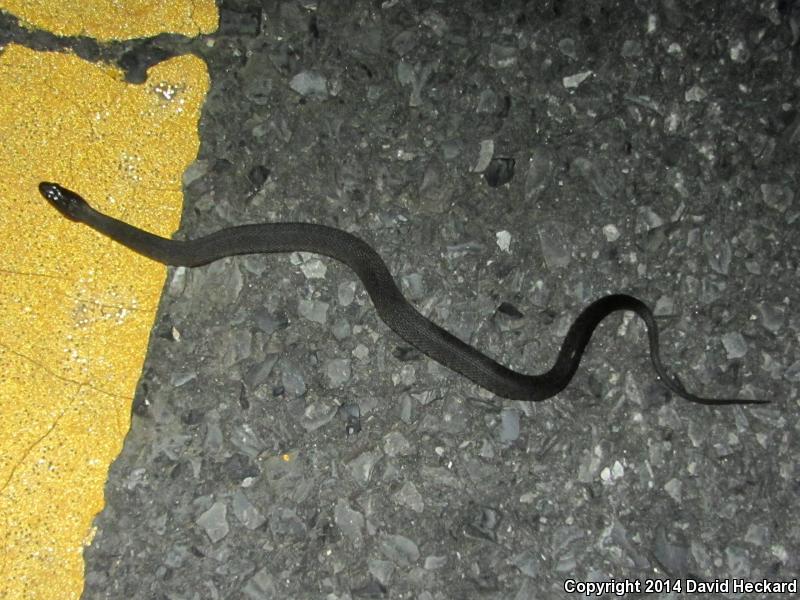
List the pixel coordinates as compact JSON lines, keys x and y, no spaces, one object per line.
{"x":392,"y":307}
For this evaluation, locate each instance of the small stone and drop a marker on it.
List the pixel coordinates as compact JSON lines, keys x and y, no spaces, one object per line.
{"x":247,"y":514}
{"x":695,"y":94}
{"x":611,"y":233}
{"x":503,"y":240}
{"x":313,"y":310}
{"x":214,"y":521}
{"x":396,"y":444}
{"x":509,"y":425}
{"x":573,"y":81}
{"x":349,"y":521}
{"x":311,"y":84}
{"x":311,"y":266}
{"x":337,"y":371}
{"x":435,"y":562}
{"x":400,"y":550}
{"x":484,"y":156}
{"x":409,"y":496}
{"x":735,"y":345}
{"x":346,"y":293}
{"x":674,"y":487}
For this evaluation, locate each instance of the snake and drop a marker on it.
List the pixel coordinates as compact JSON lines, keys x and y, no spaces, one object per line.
{"x":391,"y":306}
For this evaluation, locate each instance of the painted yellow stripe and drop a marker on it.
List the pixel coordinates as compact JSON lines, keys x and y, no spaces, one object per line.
{"x":75,"y":309}
{"x":116,"y":19}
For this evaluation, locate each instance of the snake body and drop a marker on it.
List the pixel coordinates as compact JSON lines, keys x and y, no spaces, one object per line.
{"x":391,"y":306}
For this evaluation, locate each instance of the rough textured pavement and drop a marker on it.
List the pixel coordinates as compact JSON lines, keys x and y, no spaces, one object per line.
{"x":511,"y":161}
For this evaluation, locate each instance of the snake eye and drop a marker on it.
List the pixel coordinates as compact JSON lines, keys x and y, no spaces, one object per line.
{"x":49,"y":190}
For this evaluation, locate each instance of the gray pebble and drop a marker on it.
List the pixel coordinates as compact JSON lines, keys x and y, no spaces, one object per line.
{"x":399,"y":549}
{"x":214,"y":521}
{"x":310,"y":84}
{"x":337,"y":371}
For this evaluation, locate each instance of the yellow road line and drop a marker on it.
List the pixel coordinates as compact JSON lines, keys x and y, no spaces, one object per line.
{"x":76,"y":310}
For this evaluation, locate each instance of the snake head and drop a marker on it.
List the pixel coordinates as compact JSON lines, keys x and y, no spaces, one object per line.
{"x":68,"y":203}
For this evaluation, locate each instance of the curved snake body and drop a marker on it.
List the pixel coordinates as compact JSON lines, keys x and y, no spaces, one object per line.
{"x":392,"y":307}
